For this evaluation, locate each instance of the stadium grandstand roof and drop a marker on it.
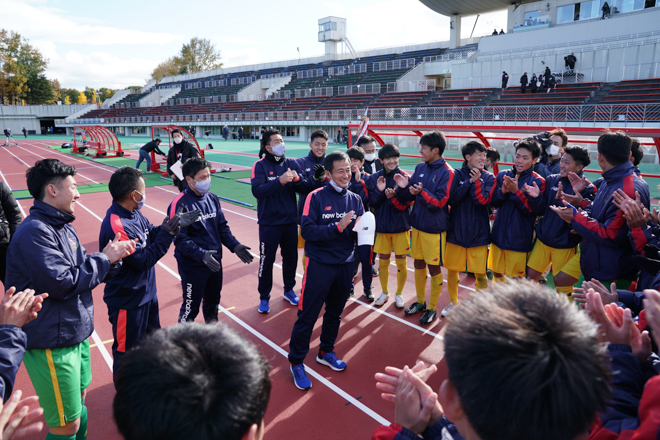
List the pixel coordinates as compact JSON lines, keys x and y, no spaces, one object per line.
{"x":467,"y":7}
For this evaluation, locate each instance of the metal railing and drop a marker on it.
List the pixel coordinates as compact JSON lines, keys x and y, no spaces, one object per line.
{"x":317,"y":91}
{"x":383,"y":66}
{"x":347,"y":70}
{"x":243,"y":81}
{"x":641,"y":71}
{"x":357,"y":89}
{"x":423,"y":85}
{"x":311,"y":73}
{"x":450,"y":56}
{"x":276,"y":75}
{"x":596,"y":74}
{"x":618,"y":115}
{"x":282,"y":94}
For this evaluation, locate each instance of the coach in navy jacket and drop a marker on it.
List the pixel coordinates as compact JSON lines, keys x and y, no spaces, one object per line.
{"x":329,"y":246}
{"x":275,"y":180}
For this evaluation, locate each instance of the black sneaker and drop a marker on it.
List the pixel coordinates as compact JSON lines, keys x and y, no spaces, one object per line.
{"x":368,"y":295}
{"x":415,"y":308}
{"x":427,"y":317}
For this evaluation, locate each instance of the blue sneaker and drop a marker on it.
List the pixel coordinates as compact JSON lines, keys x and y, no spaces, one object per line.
{"x":300,"y":379}
{"x":330,"y":360}
{"x":263,"y":306}
{"x":291,"y":297}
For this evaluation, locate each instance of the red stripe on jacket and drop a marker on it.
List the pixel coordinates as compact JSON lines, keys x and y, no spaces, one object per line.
{"x":173,"y":206}
{"x":308,"y":200}
{"x":254,"y":165}
{"x":118,"y":228}
{"x":442,"y":202}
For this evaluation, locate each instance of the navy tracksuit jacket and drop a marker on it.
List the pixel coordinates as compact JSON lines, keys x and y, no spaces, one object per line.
{"x":392,"y":215}
{"x":329,"y":270}
{"x":131,"y":294}
{"x":430,"y":211}
{"x":551,"y":229}
{"x":45,"y":254}
{"x":307,"y":166}
{"x":209,"y":233}
{"x":12,"y":346}
{"x":513,"y":229}
{"x":469,"y":217}
{"x":606,"y":250}
{"x":277,"y":215}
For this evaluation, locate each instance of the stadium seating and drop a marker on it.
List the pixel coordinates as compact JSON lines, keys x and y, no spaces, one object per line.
{"x":458,"y":97}
{"x":563,"y":94}
{"x":399,"y":100}
{"x":637,"y":91}
{"x":339,"y":102}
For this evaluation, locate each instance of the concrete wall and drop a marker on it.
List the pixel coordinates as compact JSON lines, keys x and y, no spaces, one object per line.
{"x":118,"y":96}
{"x":41,"y":111}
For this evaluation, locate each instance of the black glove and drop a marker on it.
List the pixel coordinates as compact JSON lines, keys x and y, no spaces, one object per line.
{"x":187,"y":218}
{"x":647,"y":264}
{"x":652,"y":252}
{"x":319,"y":171}
{"x":243,"y":252}
{"x":211,"y":262}
{"x":172,"y":225}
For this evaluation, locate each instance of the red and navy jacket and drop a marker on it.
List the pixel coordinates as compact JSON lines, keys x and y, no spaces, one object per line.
{"x":634,"y":411}
{"x":551,"y":229}
{"x":46,"y":255}
{"x":208,"y":233}
{"x":392,"y":215}
{"x":135,"y":283}
{"x":306,"y":164}
{"x":12,"y":345}
{"x":470,"y":225}
{"x":430,"y":211}
{"x":324,"y":241}
{"x":276,"y":203}
{"x":513,"y":229}
{"x":606,"y":249}
{"x":360,"y":188}
{"x":442,"y":430}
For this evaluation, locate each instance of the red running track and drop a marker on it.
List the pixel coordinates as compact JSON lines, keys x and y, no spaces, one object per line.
{"x":339,"y":405}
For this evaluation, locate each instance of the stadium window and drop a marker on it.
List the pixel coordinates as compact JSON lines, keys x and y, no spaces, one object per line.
{"x":531,"y":18}
{"x":589,"y":9}
{"x":565,"y":14}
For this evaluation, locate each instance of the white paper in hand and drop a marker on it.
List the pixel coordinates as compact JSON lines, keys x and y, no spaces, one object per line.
{"x":177,"y":169}
{"x":366,"y":229}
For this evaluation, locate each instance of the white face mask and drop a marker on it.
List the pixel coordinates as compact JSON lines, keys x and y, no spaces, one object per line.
{"x":370,"y":157}
{"x":552,"y":150}
{"x":177,"y":139}
{"x":204,"y":186}
{"x":278,"y":150}
{"x":141,"y":202}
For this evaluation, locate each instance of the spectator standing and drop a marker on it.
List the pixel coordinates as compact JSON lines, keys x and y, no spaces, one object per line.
{"x":534,"y":83}
{"x":494,"y":32}
{"x":505,"y":79}
{"x":10,"y":218}
{"x":225,"y":132}
{"x":547,"y":75}
{"x":606,"y":11}
{"x":501,"y":31}
{"x":240,"y":133}
{"x":570,"y":61}
{"x":24,"y":132}
{"x":523,"y":82}
{"x":181,"y":150}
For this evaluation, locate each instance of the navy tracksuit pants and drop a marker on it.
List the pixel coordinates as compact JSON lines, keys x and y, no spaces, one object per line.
{"x":270,"y":238}
{"x":323,"y":284}
{"x":199,"y":283}
{"x":129,"y":326}
{"x":366,"y":255}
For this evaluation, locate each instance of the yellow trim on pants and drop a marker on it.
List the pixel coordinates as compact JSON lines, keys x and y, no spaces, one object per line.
{"x":56,"y":386}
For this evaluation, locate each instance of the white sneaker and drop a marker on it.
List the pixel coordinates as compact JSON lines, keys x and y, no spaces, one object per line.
{"x":399,"y":301}
{"x":447,"y":310}
{"x":382,"y":299}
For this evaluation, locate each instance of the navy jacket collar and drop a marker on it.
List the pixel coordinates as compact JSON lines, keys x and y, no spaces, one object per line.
{"x":121,"y":211}
{"x":50,"y":214}
{"x":618,"y":172}
{"x":436,"y":163}
{"x":315,"y":159}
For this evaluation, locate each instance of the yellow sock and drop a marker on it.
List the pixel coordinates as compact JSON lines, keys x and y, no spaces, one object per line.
{"x":303,"y":260}
{"x":401,"y":274}
{"x":497,"y":279}
{"x":420,"y":285}
{"x":452,"y":285}
{"x":383,"y":273}
{"x":436,"y":288}
{"x":566,"y":290}
{"x":482,"y":281}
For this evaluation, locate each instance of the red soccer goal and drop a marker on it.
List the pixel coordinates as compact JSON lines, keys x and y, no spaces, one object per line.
{"x":100,"y":138}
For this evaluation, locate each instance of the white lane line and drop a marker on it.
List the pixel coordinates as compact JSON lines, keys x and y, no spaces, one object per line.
{"x":17,"y":157}
{"x":270,"y":343}
{"x":38,"y":155}
{"x":103,"y":350}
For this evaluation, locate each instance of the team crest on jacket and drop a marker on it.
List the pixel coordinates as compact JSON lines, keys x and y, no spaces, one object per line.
{"x":73,"y":242}
{"x":271,"y":173}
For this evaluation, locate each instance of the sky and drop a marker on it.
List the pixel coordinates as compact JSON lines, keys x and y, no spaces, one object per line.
{"x":118,"y":44}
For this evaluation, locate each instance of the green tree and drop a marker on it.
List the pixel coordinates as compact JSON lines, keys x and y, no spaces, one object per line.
{"x":105,"y":93}
{"x":89,"y":94}
{"x":57,"y":92}
{"x":23,"y":68}
{"x":41,"y":92}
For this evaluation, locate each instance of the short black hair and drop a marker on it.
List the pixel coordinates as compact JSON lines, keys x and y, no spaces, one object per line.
{"x":637,"y":151}
{"x":579,"y":154}
{"x":472,"y":147}
{"x":194,"y":165}
{"x":356,"y":153}
{"x":191,"y":381}
{"x":266,"y":137}
{"x":546,"y":354}
{"x":365,"y":140}
{"x":318,"y":134}
{"x":615,"y":147}
{"x":158,"y":140}
{"x":176,"y":130}
{"x":492,"y":154}
{"x":123,"y":182}
{"x":388,"y":150}
{"x":330,"y":159}
{"x":46,"y":172}
{"x":434,"y":139}
{"x":530,"y":144}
